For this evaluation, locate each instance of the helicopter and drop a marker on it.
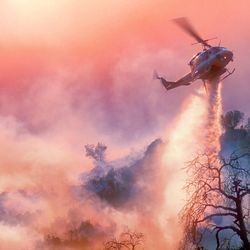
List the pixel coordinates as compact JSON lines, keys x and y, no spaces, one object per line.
{"x":205,"y":65}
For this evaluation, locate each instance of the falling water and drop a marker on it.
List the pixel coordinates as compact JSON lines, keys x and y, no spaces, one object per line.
{"x":196,"y":129}
{"x":212,"y":142}
{"x":184,"y":140}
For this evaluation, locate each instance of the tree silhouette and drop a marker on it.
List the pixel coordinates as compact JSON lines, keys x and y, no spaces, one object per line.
{"x":232,"y":119}
{"x":96,"y":152}
{"x":218,"y":198}
{"x":127,"y":240}
{"x":248,"y":123}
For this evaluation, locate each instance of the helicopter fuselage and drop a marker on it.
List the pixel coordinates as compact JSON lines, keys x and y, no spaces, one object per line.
{"x":210,"y":62}
{"x":206,"y":65}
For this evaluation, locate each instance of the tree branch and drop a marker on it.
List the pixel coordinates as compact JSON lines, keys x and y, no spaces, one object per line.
{"x":214,"y":215}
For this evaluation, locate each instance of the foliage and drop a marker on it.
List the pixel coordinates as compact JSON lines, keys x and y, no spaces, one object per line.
{"x":96,"y":152}
{"x":232,"y":119}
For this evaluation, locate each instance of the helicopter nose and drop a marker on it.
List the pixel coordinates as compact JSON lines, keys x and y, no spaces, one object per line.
{"x":228,"y":56}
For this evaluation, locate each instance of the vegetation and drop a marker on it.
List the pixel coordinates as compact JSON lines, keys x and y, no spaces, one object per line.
{"x":127,"y":240}
{"x":96,"y":152}
{"x":232,"y":119}
{"x":218,"y":202}
{"x":219,"y":191}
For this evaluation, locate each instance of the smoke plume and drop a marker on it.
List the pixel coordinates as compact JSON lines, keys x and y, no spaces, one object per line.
{"x":51,"y":202}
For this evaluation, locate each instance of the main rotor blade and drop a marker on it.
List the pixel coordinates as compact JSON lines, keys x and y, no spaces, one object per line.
{"x":186,"y":26}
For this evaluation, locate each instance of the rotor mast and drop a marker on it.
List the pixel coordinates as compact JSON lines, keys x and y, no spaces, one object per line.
{"x":184,"y":24}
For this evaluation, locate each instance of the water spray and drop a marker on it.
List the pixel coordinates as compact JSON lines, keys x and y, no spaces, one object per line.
{"x":214,"y":110}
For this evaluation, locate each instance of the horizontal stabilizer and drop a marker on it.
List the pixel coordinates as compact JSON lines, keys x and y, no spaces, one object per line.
{"x":164,"y":82}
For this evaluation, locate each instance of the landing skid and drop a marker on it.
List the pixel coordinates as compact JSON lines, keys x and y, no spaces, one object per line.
{"x":229,"y":73}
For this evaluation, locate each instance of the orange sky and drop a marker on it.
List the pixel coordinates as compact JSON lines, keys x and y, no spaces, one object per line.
{"x":77,"y":72}
{"x":107,"y":50}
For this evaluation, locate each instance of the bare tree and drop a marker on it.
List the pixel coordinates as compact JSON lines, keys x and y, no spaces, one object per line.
{"x":127,"y":240}
{"x":218,"y":192}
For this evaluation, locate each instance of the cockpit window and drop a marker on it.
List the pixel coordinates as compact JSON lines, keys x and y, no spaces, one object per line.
{"x":194,"y":58}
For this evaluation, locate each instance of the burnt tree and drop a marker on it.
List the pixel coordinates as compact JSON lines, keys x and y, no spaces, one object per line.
{"x":127,"y":240}
{"x":218,"y":191}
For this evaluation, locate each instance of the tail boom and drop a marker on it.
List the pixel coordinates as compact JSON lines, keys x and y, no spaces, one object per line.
{"x":168,"y":85}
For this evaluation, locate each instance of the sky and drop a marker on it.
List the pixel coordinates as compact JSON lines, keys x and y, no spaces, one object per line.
{"x":101,"y":56}
{"x":78,"y":72}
